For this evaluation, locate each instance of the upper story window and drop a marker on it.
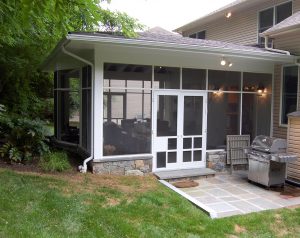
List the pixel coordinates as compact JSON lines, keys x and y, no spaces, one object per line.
{"x":272,"y":16}
{"x":198,"y":35}
{"x":289,"y":98}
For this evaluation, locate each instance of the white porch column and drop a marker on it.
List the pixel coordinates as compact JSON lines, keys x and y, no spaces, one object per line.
{"x":98,"y":105}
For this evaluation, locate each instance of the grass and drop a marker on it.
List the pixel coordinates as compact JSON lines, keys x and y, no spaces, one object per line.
{"x":77,"y":205}
{"x":55,"y":162}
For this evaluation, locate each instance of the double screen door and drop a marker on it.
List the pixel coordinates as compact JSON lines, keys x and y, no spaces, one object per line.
{"x":179,"y":130}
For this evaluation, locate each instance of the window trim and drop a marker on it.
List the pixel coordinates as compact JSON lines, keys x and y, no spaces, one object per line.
{"x":281,"y":92}
{"x":274,"y":15}
{"x":197,"y":33}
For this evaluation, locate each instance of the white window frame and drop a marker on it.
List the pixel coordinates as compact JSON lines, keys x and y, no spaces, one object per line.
{"x":281,"y":92}
{"x":274,"y":15}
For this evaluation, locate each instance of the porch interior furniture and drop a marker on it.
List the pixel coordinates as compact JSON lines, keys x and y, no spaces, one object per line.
{"x":236,"y":145}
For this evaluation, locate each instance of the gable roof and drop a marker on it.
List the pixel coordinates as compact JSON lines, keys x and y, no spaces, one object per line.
{"x":290,"y":23}
{"x":221,"y":12}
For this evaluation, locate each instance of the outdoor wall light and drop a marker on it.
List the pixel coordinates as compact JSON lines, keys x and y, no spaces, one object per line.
{"x":228,"y":14}
{"x":230,"y":64}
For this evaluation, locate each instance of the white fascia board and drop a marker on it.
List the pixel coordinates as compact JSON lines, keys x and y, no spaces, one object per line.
{"x":184,"y":47}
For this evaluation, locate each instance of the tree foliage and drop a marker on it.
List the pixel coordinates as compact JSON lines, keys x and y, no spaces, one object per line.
{"x":29,"y":29}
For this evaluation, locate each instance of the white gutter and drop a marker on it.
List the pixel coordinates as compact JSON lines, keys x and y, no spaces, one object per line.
{"x":272,"y":49}
{"x":83,"y":168}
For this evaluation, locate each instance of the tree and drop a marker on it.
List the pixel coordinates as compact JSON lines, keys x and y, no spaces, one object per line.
{"x":29,"y":29}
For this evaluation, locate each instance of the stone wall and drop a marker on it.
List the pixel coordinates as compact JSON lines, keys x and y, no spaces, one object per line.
{"x":123,"y":167}
{"x":216,"y":160}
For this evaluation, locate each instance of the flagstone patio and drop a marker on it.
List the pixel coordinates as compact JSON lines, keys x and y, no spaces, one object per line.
{"x":226,"y":195}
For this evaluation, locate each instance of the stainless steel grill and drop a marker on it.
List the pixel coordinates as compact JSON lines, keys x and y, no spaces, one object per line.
{"x":267,"y":160}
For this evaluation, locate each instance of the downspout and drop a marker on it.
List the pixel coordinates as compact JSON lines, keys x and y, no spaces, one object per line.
{"x":272,"y":49}
{"x":83,"y":168}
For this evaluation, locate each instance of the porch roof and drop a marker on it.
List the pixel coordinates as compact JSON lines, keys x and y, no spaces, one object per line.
{"x":158,"y":38}
{"x":289,"y":24}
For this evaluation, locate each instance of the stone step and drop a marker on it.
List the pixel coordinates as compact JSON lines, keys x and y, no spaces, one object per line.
{"x":184,"y":174}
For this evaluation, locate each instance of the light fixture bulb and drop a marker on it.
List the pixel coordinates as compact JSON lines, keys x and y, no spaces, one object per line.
{"x":230,"y":64}
{"x":223,"y":62}
{"x":228,"y":15}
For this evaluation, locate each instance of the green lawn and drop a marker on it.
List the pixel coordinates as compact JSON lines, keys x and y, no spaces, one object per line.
{"x":76,"y":205}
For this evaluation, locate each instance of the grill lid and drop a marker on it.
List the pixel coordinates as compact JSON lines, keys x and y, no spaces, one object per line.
{"x":268,"y":144}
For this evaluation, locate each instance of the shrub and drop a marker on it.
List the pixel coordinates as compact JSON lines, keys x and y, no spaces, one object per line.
{"x":24,"y":138}
{"x":55,"y":161}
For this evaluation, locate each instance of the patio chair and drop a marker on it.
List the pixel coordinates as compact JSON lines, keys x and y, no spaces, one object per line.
{"x":235,"y":150}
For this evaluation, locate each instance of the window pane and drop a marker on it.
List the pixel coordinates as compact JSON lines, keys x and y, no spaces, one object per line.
{"x":289,"y":92}
{"x":187,"y":156}
{"x":167,"y":115}
{"x":161,"y":160}
{"x":187,"y":143}
{"x":253,"y":82}
{"x":266,"y":19}
{"x":68,"y":106}
{"x":283,"y":11}
{"x":166,"y":77}
{"x":197,"y":155}
{"x":223,"y":118}
{"x":193,"y":108}
{"x":201,"y":35}
{"x":127,"y":75}
{"x":197,"y":142}
{"x":224,"y":80}
{"x":172,"y":143}
{"x":126,"y":129}
{"x":172,"y":157}
{"x":194,"y":79}
{"x":256,"y":114}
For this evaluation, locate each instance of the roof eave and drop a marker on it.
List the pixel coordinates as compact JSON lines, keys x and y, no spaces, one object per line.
{"x":183,"y":47}
{"x":282,"y":31}
{"x":53,"y":53}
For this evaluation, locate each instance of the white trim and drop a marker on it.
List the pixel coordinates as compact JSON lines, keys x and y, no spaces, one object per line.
{"x":201,"y":205}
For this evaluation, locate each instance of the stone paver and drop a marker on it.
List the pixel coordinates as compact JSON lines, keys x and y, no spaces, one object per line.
{"x":229,"y":195}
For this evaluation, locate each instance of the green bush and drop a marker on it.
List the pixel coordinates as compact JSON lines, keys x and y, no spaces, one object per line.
{"x":55,"y":161}
{"x":23,"y":138}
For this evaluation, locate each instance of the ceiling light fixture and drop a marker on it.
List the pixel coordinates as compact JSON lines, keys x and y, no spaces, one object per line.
{"x":223,"y":62}
{"x":228,"y":14}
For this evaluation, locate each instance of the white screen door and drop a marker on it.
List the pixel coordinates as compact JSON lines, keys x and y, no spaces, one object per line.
{"x":179,"y":130}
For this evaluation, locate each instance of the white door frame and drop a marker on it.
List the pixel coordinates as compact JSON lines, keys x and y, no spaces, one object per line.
{"x":159,"y":142}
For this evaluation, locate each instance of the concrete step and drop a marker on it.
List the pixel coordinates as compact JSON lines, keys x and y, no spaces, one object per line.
{"x":184,"y":174}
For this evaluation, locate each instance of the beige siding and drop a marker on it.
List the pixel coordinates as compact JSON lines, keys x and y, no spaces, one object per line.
{"x":290,"y":42}
{"x":241,"y":28}
{"x":278,"y":131}
{"x":294,"y":147}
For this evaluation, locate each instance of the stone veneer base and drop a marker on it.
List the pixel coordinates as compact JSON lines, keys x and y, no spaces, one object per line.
{"x":130,"y":166}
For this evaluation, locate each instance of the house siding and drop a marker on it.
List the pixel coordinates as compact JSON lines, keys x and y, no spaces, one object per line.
{"x":288,"y":42}
{"x":293,"y":168}
{"x":241,"y":28}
